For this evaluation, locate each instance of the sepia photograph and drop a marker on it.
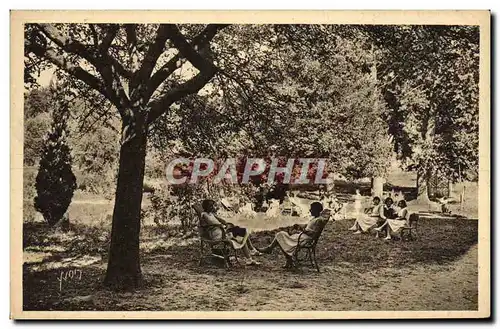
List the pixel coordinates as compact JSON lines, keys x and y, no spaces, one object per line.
{"x":250,"y":164}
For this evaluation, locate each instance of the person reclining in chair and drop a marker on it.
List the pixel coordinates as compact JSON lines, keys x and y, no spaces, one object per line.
{"x":238,"y":236}
{"x":288,"y":243}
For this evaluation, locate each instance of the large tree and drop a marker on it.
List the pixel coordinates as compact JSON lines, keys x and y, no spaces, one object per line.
{"x":135,"y":68}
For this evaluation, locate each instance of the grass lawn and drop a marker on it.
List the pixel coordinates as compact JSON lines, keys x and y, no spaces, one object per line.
{"x":358,"y":272}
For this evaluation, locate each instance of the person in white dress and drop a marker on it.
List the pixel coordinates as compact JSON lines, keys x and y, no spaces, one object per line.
{"x":357,"y":204}
{"x":274,"y":209}
{"x":288,"y":243}
{"x":370,"y":219}
{"x":394,"y":226}
{"x":246,"y":209}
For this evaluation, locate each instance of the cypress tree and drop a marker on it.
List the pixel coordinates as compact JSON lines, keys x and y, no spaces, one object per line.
{"x":55,"y":182}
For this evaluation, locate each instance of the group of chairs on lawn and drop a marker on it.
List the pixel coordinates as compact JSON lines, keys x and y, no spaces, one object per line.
{"x":223,"y":240}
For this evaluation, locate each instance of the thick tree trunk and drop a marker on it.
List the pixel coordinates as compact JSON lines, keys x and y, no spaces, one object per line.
{"x":422,"y":191}
{"x":124,"y":271}
{"x":377,"y":186}
{"x":450,"y":189}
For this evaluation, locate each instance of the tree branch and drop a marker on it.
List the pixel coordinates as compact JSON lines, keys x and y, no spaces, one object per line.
{"x":162,"y":74}
{"x":67,"y":44}
{"x":95,"y":36}
{"x":58,"y":60}
{"x":177,"y":93}
{"x":130,"y":30}
{"x":188,"y":51}
{"x":75,"y":47}
{"x":154,"y":52}
{"x":111,"y":85}
{"x":108,"y":38}
{"x":120,"y":69}
{"x":200,"y":41}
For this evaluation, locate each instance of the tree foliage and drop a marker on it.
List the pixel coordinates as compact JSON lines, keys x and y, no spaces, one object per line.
{"x":286,"y":97}
{"x":430,"y":76}
{"x":37,"y":108}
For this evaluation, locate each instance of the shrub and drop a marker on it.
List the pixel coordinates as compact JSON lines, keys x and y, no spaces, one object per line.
{"x":55,"y":182}
{"x":161,"y":205}
{"x":174,"y":204}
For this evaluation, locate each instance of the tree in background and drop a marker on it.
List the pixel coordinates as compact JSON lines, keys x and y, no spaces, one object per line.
{"x":337,"y":109}
{"x":37,"y":119}
{"x":430,"y":80}
{"x":55,"y":182}
{"x":95,"y":154}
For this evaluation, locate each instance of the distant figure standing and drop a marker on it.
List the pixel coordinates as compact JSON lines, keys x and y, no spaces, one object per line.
{"x":358,"y":207}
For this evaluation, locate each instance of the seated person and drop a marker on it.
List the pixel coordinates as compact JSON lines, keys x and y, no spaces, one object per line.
{"x":245,"y":209}
{"x":238,"y":236}
{"x":372,"y":217}
{"x":390,"y":212}
{"x":389,"y":208}
{"x":274,"y":209}
{"x":393,"y":226}
{"x":288,"y":243}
